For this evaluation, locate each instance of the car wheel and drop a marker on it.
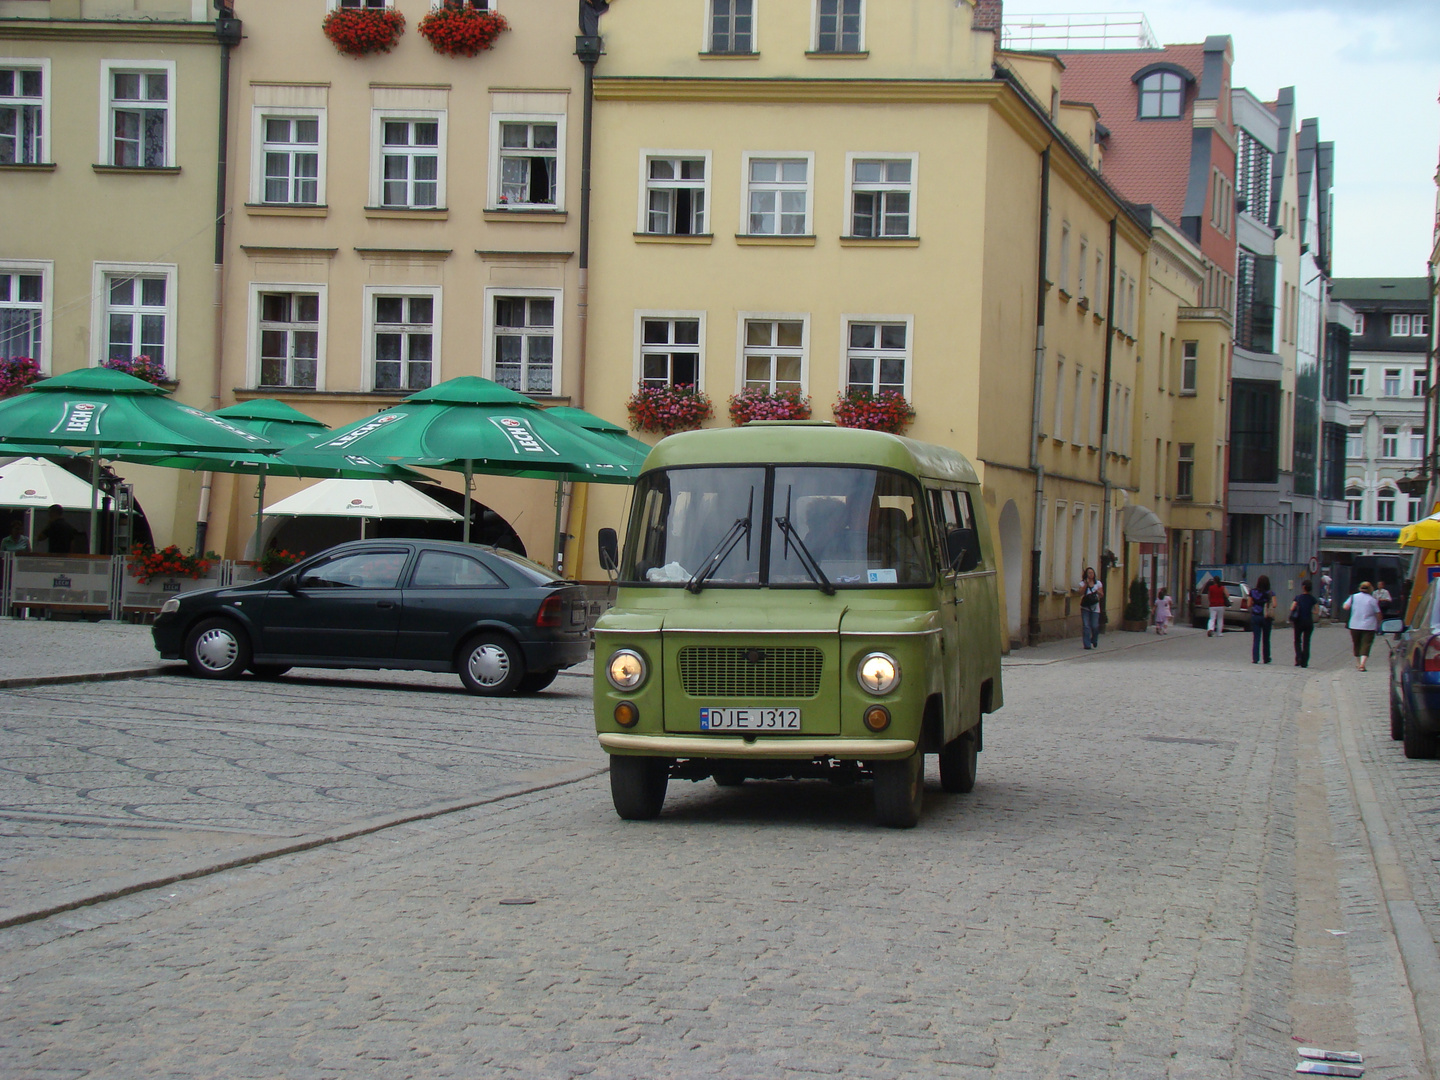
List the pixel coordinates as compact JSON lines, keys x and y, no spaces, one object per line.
{"x":900,"y":791}
{"x":217,"y":649}
{"x":491,"y":664}
{"x":637,"y":786}
{"x":536,"y":681}
{"x":268,"y":671}
{"x":1397,"y":719}
{"x":958,"y":761}
{"x":727,"y":776}
{"x":1417,"y":744}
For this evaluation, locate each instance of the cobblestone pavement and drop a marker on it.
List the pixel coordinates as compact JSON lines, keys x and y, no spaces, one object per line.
{"x":1162,"y":872}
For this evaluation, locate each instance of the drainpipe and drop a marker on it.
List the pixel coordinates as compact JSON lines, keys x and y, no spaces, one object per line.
{"x":227,"y":33}
{"x":1038,"y":397}
{"x":1105,"y":417}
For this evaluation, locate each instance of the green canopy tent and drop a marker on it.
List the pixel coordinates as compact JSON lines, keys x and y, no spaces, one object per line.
{"x":469,"y":424}
{"x":100,"y":409}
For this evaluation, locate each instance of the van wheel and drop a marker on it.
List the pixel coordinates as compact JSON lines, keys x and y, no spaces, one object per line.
{"x":900,"y":791}
{"x":1397,"y":719}
{"x":728,"y":776}
{"x":637,"y":786}
{"x":958,"y":762}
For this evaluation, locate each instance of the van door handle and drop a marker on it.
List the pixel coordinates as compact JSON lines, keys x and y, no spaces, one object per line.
{"x":958,"y":601}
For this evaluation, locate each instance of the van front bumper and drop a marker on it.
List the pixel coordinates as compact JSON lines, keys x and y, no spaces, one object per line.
{"x":766,"y":748}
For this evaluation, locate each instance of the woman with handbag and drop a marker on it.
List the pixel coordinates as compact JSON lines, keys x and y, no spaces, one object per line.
{"x":1261,"y":603}
{"x":1364,"y":621}
{"x":1091,"y":595}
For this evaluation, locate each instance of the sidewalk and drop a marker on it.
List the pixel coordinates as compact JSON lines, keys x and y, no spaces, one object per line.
{"x":37,"y":651}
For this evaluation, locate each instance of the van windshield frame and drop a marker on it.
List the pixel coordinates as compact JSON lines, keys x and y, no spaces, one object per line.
{"x":813,"y":525}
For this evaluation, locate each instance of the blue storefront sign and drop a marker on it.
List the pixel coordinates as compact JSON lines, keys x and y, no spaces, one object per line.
{"x":1383,"y":533}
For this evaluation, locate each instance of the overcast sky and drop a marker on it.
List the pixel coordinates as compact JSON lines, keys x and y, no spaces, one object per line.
{"x":1369,"y":70}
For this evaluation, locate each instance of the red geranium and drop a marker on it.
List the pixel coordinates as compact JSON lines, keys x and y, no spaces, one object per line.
{"x":886,"y":411}
{"x":758,"y":403}
{"x":665,"y":409}
{"x":146,"y":563}
{"x":16,"y":373}
{"x":142,"y":367}
{"x":357,"y":31}
{"x":459,"y":30}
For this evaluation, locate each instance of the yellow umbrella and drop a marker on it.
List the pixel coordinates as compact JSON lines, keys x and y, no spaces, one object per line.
{"x":1424,"y":533}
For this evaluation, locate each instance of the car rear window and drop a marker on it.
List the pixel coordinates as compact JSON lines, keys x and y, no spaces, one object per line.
{"x":446,"y":570}
{"x":541,"y":575}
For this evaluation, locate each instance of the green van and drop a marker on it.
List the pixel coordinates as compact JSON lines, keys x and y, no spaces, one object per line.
{"x":798,"y":600}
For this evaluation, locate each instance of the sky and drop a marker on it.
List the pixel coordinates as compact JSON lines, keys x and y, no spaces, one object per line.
{"x":1368,"y":70}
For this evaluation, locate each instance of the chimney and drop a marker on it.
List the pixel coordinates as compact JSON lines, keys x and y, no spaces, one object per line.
{"x":987,"y":15}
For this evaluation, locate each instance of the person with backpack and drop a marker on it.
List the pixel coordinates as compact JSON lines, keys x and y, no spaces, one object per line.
{"x":1302,"y":618}
{"x":1261,"y":603}
{"x":1364,"y":621}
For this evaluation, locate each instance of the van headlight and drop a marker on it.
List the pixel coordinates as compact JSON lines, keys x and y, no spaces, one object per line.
{"x":626,"y":669}
{"x":879,"y":673}
{"x":169,"y":607}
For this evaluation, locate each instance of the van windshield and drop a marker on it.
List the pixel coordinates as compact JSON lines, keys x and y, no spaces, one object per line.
{"x":815,"y":526}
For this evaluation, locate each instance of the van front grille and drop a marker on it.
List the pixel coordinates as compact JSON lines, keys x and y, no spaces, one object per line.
{"x":739,"y":671}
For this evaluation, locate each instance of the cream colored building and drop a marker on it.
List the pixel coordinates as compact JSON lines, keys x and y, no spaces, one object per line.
{"x":109,"y":135}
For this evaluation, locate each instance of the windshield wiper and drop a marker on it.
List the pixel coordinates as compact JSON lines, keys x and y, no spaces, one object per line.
{"x":807,"y":560}
{"x":721,"y":551}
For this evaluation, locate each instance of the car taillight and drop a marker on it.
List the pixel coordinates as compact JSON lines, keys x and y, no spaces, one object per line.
{"x":1430,"y":661}
{"x":549,"y":614}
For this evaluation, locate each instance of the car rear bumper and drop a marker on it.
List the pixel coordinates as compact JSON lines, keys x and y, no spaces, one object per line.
{"x":545,"y":655}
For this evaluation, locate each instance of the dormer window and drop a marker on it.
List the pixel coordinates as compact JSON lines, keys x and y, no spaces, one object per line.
{"x":1161,"y":95}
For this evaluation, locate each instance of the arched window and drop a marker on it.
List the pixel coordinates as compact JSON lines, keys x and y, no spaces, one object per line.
{"x":1385,"y":504}
{"x":1161,"y":95}
{"x":1354,"y":504}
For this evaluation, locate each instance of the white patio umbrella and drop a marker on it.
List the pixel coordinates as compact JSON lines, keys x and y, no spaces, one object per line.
{"x":33,"y":483}
{"x":364,"y":499}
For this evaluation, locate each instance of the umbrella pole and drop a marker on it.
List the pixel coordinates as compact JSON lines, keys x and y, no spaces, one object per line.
{"x":469,"y":478}
{"x":94,"y":499}
{"x":260,"y":516}
{"x":559,"y":542}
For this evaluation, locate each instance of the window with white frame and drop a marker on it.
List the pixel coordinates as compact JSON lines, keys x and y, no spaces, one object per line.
{"x":137,"y":309}
{"x":778,"y":196}
{"x":1081,"y":268}
{"x":1162,"y":93}
{"x":878,"y":356}
{"x":732,"y":26}
{"x":290,"y":151}
{"x":670,"y":351}
{"x":1125,"y":425}
{"x":1359,"y":324}
{"x":1077,"y":543}
{"x":1357,"y":382}
{"x":1412,"y":509}
{"x":1355,"y":442}
{"x":1059,"y":555}
{"x":1385,"y":504}
{"x":1064,"y":277}
{"x":410,"y":162}
{"x":675,"y":195}
{"x":373,"y":5}
{"x":524,"y":342}
{"x":402,"y":335}
{"x":774,"y":354}
{"x":1417,"y":443}
{"x":839,"y":25}
{"x":1185,"y":471}
{"x":288,"y":332}
{"x":882,"y":196}
{"x":1354,"y":504}
{"x":23,"y":306}
{"x":1099,"y":287}
{"x":1094,"y":411}
{"x":1417,"y":382}
{"x":1389,"y":442}
{"x":1392,"y":382}
{"x":22,"y":112}
{"x":140,"y":115}
{"x":1057,"y":429}
{"x":1399,"y":325}
{"x":528,"y":162}
{"x":1189,"y":366}
{"x":1077,"y":411}
{"x":1419,"y":325}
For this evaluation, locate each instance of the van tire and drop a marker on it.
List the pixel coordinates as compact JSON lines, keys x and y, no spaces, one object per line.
{"x":637,"y":786}
{"x":900,"y":791}
{"x":728,"y":776}
{"x":958,"y":762}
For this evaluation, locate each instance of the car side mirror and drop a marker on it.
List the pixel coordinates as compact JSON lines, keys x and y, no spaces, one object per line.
{"x":609,"y":550}
{"x":962,"y":550}
{"x":1392,"y":626}
{"x":291,"y":583}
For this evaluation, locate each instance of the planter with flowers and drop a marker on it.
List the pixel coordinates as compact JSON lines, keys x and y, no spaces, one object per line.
{"x":666,"y":409}
{"x":361,"y":31}
{"x":16,"y":374}
{"x":884,"y":411}
{"x":276,"y":559}
{"x":457,"y":29}
{"x":759,"y":403}
{"x":142,"y":367}
{"x":159,"y":575}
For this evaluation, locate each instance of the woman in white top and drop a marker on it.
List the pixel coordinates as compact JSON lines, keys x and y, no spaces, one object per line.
{"x":1364,"y":621}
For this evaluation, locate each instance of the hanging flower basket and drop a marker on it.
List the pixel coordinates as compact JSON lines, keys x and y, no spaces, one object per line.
{"x":755,"y":403}
{"x":359,"y":31}
{"x":145,"y":563}
{"x":16,"y":374}
{"x":666,"y":409}
{"x":886,"y":411}
{"x":459,"y":30}
{"x":142,"y":367}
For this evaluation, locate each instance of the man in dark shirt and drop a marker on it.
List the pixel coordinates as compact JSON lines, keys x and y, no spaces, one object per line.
{"x":58,"y":533}
{"x":1302,"y":617}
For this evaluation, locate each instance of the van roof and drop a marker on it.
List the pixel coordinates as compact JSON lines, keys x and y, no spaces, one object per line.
{"x":809,"y":442}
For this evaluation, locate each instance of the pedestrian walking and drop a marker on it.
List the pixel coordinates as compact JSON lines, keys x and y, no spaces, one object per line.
{"x":1364,"y":621}
{"x":1164,"y":611}
{"x":1261,"y":604}
{"x":1092,"y":594}
{"x":1302,"y":619}
{"x":1219,"y":601}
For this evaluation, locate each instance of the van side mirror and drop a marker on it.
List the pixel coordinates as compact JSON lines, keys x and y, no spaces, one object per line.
{"x":962,"y":550}
{"x":609,"y":550}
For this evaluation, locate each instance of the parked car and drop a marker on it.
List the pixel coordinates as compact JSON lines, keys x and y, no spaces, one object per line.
{"x":1415,"y":677}
{"x":1235,"y":615}
{"x":503,"y":623}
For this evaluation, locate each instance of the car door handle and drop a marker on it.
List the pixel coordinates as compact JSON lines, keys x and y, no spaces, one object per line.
{"x":385,"y":603}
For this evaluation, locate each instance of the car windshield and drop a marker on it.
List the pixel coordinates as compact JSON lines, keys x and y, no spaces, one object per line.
{"x":809,"y":526}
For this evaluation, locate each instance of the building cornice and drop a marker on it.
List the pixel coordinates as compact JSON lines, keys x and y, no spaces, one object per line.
{"x":176,"y":33}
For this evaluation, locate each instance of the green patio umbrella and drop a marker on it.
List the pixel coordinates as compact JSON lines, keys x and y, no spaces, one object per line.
{"x":471,"y":425}
{"x":97,"y":407}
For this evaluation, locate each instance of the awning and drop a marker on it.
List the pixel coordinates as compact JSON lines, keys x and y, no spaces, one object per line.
{"x":1142,"y":526}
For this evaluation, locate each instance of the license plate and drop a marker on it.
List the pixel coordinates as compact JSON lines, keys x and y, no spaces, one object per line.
{"x":751,"y":719}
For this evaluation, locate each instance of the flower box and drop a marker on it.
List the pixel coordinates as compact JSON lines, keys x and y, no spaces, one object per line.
{"x":145,"y":563}
{"x":756,"y":403}
{"x":142,"y":367}
{"x":360,"y":31}
{"x":666,"y":409}
{"x":884,"y":411}
{"x":459,"y":30}
{"x":16,"y":373}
